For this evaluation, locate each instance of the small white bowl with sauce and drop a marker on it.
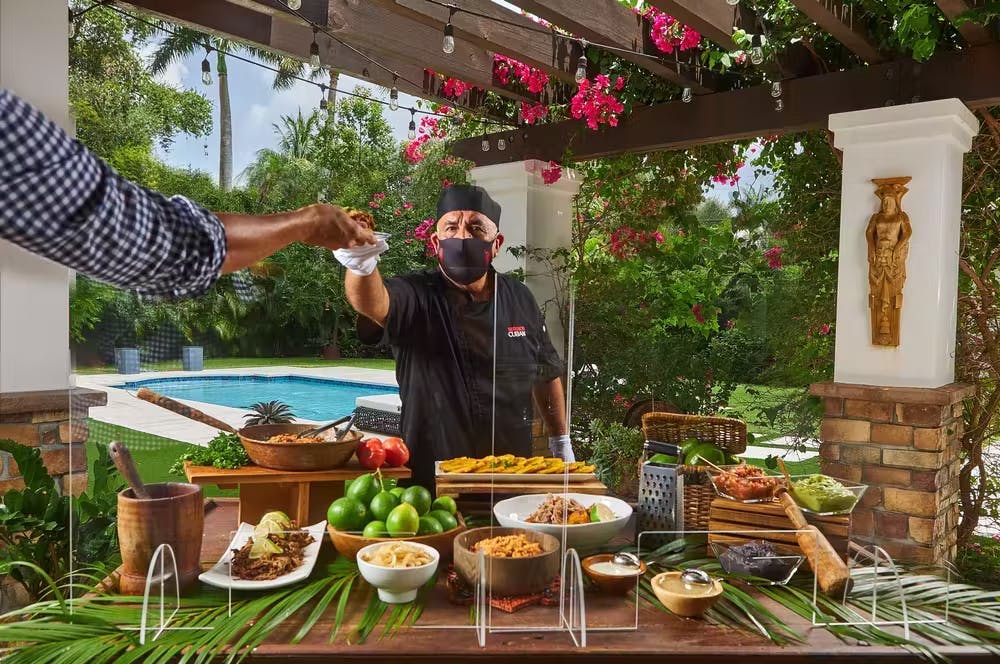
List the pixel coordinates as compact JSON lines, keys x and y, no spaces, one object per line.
{"x":611,"y":577}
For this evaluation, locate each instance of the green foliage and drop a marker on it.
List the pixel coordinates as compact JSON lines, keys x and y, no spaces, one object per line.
{"x":35,"y":521}
{"x":615,"y":450}
{"x":269,"y":412}
{"x":223,"y":451}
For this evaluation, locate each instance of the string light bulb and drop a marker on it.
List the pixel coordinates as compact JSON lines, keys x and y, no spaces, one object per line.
{"x":206,"y":68}
{"x":411,"y":132}
{"x":314,"y":60}
{"x":732,"y":3}
{"x":394,"y":95}
{"x":776,"y":89}
{"x":687,"y":95}
{"x":323,"y":103}
{"x":581,"y":63}
{"x":501,"y":144}
{"x":294,"y":5}
{"x":72,"y":24}
{"x":485,"y":145}
{"x":779,"y":105}
{"x":448,"y":42}
{"x":757,"y":55}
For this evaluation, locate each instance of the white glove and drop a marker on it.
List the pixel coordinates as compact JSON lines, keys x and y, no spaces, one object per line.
{"x":562,"y":447}
{"x":362,"y":260}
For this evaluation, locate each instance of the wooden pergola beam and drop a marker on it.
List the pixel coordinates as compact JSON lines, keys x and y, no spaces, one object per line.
{"x":224,"y":19}
{"x":976,"y":34}
{"x":840,"y":20}
{"x":611,"y":23}
{"x":523,"y":41}
{"x":714,"y":19}
{"x":808,"y":103}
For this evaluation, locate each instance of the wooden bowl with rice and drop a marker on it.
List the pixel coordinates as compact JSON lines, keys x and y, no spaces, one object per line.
{"x":507,"y":575}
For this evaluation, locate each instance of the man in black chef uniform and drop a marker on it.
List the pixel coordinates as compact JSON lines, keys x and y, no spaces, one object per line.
{"x":444,"y":325}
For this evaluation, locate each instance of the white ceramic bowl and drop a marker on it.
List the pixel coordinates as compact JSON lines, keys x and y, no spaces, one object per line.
{"x":397,"y":585}
{"x":511,"y":513}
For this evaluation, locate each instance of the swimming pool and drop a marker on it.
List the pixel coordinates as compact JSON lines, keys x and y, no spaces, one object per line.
{"x":309,"y":398}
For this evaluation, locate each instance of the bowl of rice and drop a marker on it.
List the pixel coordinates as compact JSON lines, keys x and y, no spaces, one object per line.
{"x":398,"y":569}
{"x":511,"y":561}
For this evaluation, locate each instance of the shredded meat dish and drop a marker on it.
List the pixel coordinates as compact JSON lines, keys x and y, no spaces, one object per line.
{"x":558,"y":510}
{"x":290,"y":438}
{"x":271,"y":566}
{"x":362,"y":217}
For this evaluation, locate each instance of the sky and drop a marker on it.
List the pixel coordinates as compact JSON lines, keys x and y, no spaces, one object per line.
{"x":257,"y":107}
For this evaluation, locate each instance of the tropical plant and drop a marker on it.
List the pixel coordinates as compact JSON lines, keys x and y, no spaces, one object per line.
{"x":35,"y":522}
{"x":269,"y":412}
{"x":183,"y":42}
{"x":615,"y":450}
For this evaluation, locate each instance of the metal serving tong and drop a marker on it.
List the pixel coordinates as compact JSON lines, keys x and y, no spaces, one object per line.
{"x":340,"y":434}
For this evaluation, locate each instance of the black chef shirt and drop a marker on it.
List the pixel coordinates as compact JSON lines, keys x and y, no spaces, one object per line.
{"x":443,"y":343}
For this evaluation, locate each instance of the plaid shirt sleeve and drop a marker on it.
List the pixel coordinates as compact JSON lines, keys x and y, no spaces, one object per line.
{"x":59,"y":200}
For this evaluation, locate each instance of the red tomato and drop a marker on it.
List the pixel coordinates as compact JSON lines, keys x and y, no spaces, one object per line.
{"x":371,"y":453}
{"x":396,"y":452}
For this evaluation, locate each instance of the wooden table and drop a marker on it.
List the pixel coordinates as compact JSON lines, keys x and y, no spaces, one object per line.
{"x":305,"y":496}
{"x":466,"y":487}
{"x":444,"y":636}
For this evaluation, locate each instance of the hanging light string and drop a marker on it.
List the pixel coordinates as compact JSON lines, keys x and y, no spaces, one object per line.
{"x":673,"y":62}
{"x":393,"y":105}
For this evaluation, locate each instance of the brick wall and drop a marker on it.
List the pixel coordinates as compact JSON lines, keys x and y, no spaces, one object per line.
{"x":904,"y":444}
{"x":56,"y":423}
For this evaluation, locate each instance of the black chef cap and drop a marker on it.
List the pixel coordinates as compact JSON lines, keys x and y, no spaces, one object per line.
{"x":468,"y":197}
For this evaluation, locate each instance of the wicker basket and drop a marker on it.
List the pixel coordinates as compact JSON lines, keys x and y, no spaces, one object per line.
{"x":727,"y":434}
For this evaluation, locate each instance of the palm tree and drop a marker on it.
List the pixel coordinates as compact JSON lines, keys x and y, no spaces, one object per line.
{"x":291,"y":70}
{"x":183,"y":42}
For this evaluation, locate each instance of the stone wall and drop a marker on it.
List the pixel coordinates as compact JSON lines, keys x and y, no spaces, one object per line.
{"x":55,"y":422}
{"x":904,"y":443}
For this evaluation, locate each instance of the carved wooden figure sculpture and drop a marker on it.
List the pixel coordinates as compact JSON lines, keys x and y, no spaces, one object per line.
{"x":888,"y":236}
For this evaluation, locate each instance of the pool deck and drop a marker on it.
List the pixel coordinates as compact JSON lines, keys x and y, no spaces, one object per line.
{"x":124,"y":409}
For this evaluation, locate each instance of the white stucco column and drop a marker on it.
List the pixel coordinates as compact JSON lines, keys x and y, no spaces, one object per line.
{"x":535,"y":216}
{"x":925,"y":141}
{"x":34,"y":305}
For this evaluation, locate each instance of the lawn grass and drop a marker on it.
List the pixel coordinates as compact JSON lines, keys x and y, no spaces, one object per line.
{"x":250,"y":362}
{"x":753,"y":409}
{"x":153,"y":454}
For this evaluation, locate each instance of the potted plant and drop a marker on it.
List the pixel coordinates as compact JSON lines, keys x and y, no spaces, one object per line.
{"x":269,"y":412}
{"x":193,"y":358}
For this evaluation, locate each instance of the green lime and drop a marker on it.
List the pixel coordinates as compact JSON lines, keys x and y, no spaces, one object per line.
{"x":389,"y":483}
{"x":446,"y":503}
{"x":347,"y":514}
{"x":363,"y":489}
{"x":428,"y":525}
{"x":278,"y":517}
{"x":375,"y":529}
{"x":263,"y":547}
{"x":446,"y":519}
{"x":663,"y":458}
{"x":398,"y":492}
{"x":403,"y":521}
{"x":382,"y":504}
{"x":419,"y":497}
{"x":601,"y":512}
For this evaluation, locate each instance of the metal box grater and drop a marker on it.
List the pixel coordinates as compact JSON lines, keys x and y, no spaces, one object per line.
{"x":661,"y":494}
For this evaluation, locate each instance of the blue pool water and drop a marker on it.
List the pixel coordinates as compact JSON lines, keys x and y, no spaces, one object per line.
{"x":309,"y":398}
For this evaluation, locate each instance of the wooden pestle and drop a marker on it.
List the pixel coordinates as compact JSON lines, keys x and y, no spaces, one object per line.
{"x":182,"y":409}
{"x":830,"y":569}
{"x":126,"y":466}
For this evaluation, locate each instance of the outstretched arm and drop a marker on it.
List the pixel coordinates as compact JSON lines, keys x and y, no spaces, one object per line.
{"x":60,"y":201}
{"x":368,"y":295}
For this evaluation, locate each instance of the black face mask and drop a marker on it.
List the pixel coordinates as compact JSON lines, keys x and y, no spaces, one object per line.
{"x":465,"y":261}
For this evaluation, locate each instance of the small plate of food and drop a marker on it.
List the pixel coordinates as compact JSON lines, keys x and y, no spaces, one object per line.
{"x":588,"y":521}
{"x":272,"y":554}
{"x":745,"y":484}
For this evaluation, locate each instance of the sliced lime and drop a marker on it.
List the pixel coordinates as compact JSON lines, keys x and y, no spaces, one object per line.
{"x":601,"y":512}
{"x":280,"y":518}
{"x":263,"y":546}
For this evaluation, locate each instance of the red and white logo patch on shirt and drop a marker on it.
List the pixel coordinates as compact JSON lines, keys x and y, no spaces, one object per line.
{"x":516,"y":331}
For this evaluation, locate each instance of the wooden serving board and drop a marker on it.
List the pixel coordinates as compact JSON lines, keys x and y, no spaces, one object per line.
{"x":447,"y":486}
{"x":730,"y":515}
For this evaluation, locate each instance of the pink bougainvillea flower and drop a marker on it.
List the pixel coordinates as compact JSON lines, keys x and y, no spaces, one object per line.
{"x":669,"y":34}
{"x":509,"y":69}
{"x":454,"y":87}
{"x":445,"y":182}
{"x":407,"y":206}
{"x":532,"y":113}
{"x":773,"y":258}
{"x":595,"y":103}
{"x":825,"y":330}
{"x":698,"y":316}
{"x":551,"y":174}
{"x":658,"y":236}
{"x":398,"y":212}
{"x":730,"y":324}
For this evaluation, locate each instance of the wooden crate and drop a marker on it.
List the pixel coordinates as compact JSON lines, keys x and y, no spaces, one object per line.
{"x":732,"y":515}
